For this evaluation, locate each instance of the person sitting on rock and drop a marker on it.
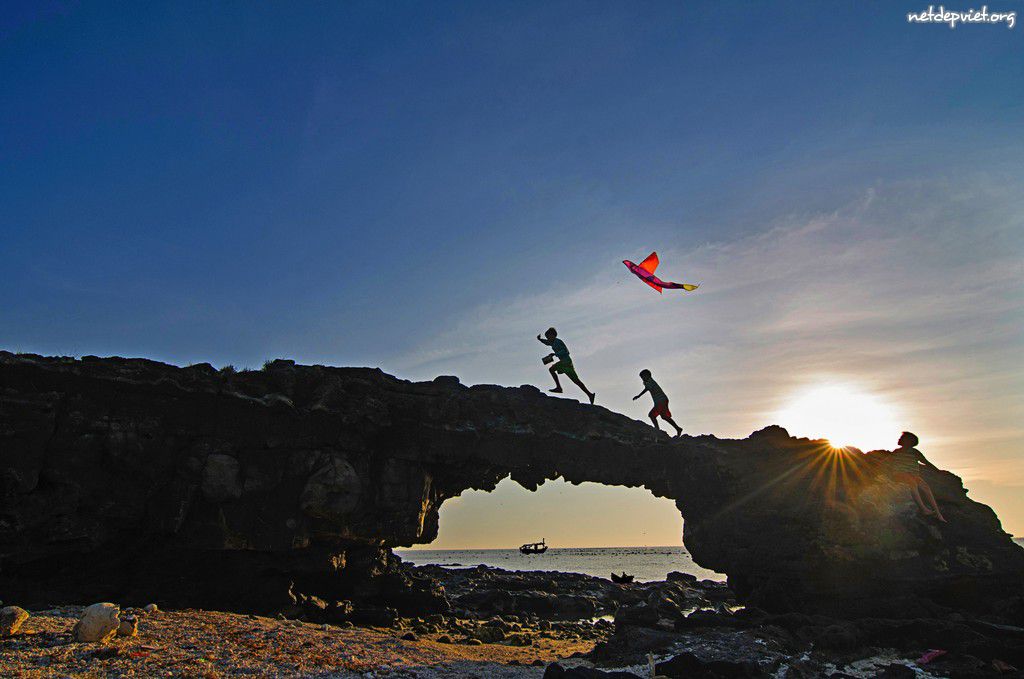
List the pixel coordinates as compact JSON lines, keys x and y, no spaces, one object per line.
{"x":906,"y":464}
{"x":660,"y":402}
{"x":563,"y":365}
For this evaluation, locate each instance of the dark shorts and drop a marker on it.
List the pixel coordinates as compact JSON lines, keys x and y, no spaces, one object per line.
{"x":660,"y":409}
{"x":565,"y":367}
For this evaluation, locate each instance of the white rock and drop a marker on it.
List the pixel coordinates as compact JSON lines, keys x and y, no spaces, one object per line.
{"x":99,"y":622}
{"x":11,"y":620}
{"x":151,"y":608}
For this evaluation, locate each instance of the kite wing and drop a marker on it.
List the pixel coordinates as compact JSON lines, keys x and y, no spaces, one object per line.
{"x":650,"y":264}
{"x":679,"y":286}
{"x":649,"y":279}
{"x":644,"y":275}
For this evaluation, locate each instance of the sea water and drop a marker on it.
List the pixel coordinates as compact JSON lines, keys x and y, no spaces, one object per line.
{"x":645,"y":563}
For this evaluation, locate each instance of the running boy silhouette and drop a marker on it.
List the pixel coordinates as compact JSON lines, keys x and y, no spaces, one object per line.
{"x":563,"y":364}
{"x":660,"y":402}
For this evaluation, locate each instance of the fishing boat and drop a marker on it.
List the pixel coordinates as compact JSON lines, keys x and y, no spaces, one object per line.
{"x":534,"y":548}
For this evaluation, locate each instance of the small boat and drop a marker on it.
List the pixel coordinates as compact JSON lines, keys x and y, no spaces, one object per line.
{"x":534,"y":548}
{"x":622,"y":579}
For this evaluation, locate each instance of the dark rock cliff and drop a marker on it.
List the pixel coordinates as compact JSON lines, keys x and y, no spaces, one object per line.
{"x":134,"y":480}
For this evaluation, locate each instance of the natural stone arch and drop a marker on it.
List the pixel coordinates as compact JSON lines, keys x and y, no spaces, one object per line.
{"x":110,"y":487}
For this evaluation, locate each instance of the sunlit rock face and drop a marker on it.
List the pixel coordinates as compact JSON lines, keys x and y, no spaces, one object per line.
{"x":134,"y":481}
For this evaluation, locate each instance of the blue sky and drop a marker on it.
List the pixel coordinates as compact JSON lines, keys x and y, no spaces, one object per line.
{"x":426,"y":186}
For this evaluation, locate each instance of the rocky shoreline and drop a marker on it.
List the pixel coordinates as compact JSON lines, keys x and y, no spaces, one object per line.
{"x":527,"y":624}
{"x":697,"y":628}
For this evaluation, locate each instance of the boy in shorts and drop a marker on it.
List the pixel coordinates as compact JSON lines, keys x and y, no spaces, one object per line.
{"x":563,"y":365}
{"x":660,"y":402}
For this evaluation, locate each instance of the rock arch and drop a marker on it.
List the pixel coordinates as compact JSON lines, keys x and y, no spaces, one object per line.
{"x":244,"y":489}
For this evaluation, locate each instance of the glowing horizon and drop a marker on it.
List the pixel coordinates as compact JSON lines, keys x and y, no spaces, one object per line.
{"x":843,"y":414}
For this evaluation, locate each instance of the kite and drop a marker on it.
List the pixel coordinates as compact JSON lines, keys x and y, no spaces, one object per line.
{"x":645,"y":272}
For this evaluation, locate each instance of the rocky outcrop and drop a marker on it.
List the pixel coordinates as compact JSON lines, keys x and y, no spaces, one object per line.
{"x":131,"y":480}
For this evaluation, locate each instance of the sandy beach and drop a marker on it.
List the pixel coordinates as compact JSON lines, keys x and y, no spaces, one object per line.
{"x":193,"y":643}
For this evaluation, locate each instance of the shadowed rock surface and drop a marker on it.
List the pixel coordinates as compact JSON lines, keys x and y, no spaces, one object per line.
{"x":132,"y":480}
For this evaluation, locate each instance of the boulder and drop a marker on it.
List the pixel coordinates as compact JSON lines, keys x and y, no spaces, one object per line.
{"x":11,"y":620}
{"x":99,"y":623}
{"x":689,"y":666}
{"x":374,"y":616}
{"x":708,"y":619}
{"x":128,"y":627}
{"x":556,"y":671}
{"x":221,"y":478}
{"x":519,"y":639}
{"x":332,"y":491}
{"x":338,"y":611}
{"x":676,"y":576}
{"x":641,"y":614}
{"x":488,"y":635}
{"x":895,"y":671}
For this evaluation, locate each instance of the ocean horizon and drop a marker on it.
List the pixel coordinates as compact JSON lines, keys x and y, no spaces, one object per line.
{"x":646,"y":564}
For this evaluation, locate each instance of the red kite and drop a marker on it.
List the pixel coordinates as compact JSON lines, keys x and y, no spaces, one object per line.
{"x":645,"y":272}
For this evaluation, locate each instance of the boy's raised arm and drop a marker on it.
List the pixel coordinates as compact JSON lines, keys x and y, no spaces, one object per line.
{"x":925,"y":461}
{"x":543,"y":341}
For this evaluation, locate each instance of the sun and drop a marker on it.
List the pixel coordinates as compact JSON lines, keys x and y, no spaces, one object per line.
{"x":844,"y":414}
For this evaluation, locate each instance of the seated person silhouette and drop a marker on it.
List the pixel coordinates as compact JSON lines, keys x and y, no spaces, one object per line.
{"x":906,"y":464}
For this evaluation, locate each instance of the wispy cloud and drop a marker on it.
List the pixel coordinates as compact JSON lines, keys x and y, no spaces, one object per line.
{"x":913,"y":292}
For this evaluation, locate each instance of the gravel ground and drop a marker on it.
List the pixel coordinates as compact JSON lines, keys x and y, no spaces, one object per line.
{"x":195,"y":643}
